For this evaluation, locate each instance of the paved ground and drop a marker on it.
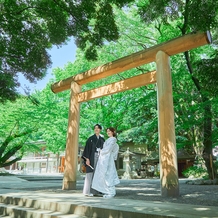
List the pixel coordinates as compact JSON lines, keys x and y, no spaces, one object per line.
{"x":135,"y":198}
{"x":143,"y":190}
{"x":103,"y":208}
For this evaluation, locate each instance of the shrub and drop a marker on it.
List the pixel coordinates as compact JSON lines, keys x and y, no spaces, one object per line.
{"x":195,"y":172}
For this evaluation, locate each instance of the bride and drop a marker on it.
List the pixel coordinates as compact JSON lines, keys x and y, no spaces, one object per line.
{"x":105,"y":176}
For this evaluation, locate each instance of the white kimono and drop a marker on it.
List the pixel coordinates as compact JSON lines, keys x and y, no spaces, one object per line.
{"x":105,"y":176}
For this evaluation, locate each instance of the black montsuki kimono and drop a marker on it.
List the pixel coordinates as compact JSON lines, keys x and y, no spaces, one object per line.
{"x":91,"y":147}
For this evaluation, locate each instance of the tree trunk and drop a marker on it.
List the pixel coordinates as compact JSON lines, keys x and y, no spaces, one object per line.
{"x":207,"y":134}
{"x":57,"y":163}
{"x":208,"y":153}
{"x":198,"y":147}
{"x":207,"y":141}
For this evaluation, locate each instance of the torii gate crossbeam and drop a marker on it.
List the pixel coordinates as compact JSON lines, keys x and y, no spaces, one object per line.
{"x":172,"y":47}
{"x":162,"y":76}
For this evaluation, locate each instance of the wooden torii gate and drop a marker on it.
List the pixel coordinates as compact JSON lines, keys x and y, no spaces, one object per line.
{"x":162,"y":76}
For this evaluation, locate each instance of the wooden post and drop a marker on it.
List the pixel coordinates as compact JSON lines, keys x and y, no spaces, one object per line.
{"x":71,"y":153}
{"x":167,"y":141}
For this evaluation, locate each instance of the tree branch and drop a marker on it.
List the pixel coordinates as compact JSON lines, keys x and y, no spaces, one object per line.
{"x":10,"y":162}
{"x":134,"y":40}
{"x":186,"y":14}
{"x":191,"y":71}
{"x":10,"y":138}
{"x":158,"y":26}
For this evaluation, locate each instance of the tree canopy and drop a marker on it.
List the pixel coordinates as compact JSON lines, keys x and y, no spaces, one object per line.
{"x":139,"y":25}
{"x":29,"y":28}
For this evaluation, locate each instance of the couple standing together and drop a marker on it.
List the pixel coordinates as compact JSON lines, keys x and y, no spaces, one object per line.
{"x":99,"y":156}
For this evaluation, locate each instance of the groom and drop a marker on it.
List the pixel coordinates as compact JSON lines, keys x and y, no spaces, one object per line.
{"x":90,"y":156}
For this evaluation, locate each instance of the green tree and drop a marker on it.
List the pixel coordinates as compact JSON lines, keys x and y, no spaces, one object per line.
{"x":183,"y":17}
{"x":132,"y":113}
{"x":29,"y":28}
{"x":12,"y":147}
{"x":117,"y":110}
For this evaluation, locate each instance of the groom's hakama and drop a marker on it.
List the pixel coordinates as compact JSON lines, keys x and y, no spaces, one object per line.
{"x":91,"y":152}
{"x":88,"y":180}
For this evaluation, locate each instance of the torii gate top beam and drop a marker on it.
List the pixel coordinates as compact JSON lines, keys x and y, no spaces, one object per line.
{"x":172,"y":47}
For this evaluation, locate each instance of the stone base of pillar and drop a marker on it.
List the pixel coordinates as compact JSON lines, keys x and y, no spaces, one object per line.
{"x":69,"y":185}
{"x":171,"y":190}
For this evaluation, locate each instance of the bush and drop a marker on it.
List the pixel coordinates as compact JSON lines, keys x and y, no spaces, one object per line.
{"x":195,"y":172}
{"x":6,"y":174}
{"x":216,"y":165}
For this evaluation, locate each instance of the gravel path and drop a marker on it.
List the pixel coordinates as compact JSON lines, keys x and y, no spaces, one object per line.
{"x":149,"y":190}
{"x":189,"y":194}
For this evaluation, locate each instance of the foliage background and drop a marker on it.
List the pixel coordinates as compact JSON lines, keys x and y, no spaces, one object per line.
{"x":139,"y":25}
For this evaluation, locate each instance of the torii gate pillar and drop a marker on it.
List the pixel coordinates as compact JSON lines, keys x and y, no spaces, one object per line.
{"x":71,"y":153}
{"x":167,"y":141}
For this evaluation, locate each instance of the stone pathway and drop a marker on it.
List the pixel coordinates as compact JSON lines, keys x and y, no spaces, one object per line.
{"x":144,"y":190}
{"x":135,"y":198}
{"x":149,"y":190}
